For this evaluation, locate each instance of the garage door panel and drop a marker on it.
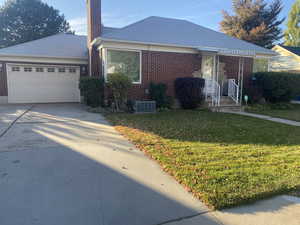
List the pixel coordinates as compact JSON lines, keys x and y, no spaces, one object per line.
{"x":42,"y":87}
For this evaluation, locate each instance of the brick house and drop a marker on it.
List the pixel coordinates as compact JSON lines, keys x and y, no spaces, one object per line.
{"x":155,"y":49}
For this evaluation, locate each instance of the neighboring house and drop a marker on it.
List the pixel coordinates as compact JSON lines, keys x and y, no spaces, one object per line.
{"x":288,"y":59}
{"x":155,"y":49}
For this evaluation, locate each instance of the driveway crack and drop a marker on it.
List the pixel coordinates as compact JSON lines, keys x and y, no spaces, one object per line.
{"x":16,"y":120}
{"x":184,"y":218}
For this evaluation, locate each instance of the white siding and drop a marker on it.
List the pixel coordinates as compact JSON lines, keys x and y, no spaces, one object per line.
{"x":285,"y":61}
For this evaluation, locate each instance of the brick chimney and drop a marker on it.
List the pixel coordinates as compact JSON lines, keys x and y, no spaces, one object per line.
{"x":94,"y":31}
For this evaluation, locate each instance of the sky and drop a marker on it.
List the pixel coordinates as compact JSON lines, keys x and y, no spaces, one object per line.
{"x":119,"y":13}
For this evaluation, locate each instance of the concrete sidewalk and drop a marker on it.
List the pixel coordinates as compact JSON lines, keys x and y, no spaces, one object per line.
{"x":282,"y":210}
{"x":269,"y":118}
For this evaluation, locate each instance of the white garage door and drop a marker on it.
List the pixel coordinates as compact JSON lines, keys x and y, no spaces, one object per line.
{"x":42,"y":84}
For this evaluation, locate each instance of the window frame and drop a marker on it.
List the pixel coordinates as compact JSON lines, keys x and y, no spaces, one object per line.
{"x":42,"y":70}
{"x":28,"y":69}
{"x":62,"y":70}
{"x":122,"y":50}
{"x":16,"y":69}
{"x":72,"y":70}
{"x":51,"y":69}
{"x":258,"y":58}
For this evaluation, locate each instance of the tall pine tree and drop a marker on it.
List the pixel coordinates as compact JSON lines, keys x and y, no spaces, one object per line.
{"x":27,"y":20}
{"x":292,"y":33}
{"x":254,"y":21}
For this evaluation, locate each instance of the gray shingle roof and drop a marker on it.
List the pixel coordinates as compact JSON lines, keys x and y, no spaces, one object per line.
{"x":152,"y":30}
{"x":56,"y":46}
{"x":165,"y":31}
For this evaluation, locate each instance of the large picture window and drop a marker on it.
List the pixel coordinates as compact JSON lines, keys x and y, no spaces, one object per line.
{"x":125,"y":62}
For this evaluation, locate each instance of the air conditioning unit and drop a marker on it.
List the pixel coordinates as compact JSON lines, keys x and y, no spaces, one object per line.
{"x":145,"y":107}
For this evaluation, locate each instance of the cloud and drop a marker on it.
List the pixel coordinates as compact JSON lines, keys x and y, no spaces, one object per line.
{"x":79,"y":25}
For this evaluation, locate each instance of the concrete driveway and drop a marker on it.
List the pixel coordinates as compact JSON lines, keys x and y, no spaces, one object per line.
{"x":62,"y":165}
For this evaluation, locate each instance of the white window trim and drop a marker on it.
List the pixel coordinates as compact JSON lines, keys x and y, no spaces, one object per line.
{"x":123,"y":50}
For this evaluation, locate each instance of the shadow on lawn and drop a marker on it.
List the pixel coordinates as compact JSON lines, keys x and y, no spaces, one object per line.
{"x":202,"y":126}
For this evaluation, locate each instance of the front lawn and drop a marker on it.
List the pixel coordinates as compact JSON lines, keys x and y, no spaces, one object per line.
{"x":224,"y":160}
{"x":291,"y":113}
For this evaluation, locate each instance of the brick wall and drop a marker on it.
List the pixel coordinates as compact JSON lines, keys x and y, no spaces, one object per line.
{"x":164,"y":67}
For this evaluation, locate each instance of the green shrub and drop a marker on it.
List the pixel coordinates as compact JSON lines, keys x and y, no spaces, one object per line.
{"x":282,"y":106}
{"x":267,"y":107}
{"x":119,"y":85}
{"x":254,"y":93}
{"x":189,"y":92}
{"x":277,"y":86}
{"x":158,"y":93}
{"x":92,"y":89}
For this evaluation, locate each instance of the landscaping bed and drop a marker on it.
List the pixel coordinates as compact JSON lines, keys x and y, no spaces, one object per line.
{"x":224,"y":160}
{"x":284,"y":111}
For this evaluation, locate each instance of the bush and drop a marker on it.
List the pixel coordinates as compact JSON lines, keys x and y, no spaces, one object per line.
{"x":189,"y":92}
{"x":120,"y":85}
{"x":267,"y":107}
{"x":92,"y":89}
{"x":277,"y":86}
{"x":254,"y":93}
{"x":158,"y":93}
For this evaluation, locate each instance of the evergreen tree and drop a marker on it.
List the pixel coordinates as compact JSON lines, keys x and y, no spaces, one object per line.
{"x":254,"y":21}
{"x":27,"y":20}
{"x":292,"y":33}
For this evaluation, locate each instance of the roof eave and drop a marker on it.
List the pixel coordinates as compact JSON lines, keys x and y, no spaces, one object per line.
{"x":99,"y":40}
{"x":286,"y":50}
{"x":43,"y":56}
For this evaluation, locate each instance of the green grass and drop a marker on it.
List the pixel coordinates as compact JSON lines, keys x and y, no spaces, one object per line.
{"x":224,"y":160}
{"x":292,"y":113}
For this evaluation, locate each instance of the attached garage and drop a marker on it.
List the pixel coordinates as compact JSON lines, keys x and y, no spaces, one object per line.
{"x":43,"y":71}
{"x":42,"y":84}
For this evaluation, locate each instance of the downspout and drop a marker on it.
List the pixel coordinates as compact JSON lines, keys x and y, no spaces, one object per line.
{"x":242,"y":81}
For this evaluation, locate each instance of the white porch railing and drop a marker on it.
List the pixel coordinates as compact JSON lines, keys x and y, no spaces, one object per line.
{"x":213,"y":90}
{"x":233,"y":91}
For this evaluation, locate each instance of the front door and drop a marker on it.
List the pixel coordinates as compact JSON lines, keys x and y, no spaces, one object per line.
{"x":208,"y":72}
{"x":208,"y":67}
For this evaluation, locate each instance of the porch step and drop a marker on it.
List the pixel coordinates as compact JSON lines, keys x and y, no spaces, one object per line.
{"x":224,"y":101}
{"x":226,"y":105}
{"x":232,"y":108}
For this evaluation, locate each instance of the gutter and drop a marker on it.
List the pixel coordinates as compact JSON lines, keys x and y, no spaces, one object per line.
{"x":236,"y":52}
{"x":47,"y":57}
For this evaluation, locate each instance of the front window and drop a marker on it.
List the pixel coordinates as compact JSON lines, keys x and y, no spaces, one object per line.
{"x":125,"y":62}
{"x":260,"y":65}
